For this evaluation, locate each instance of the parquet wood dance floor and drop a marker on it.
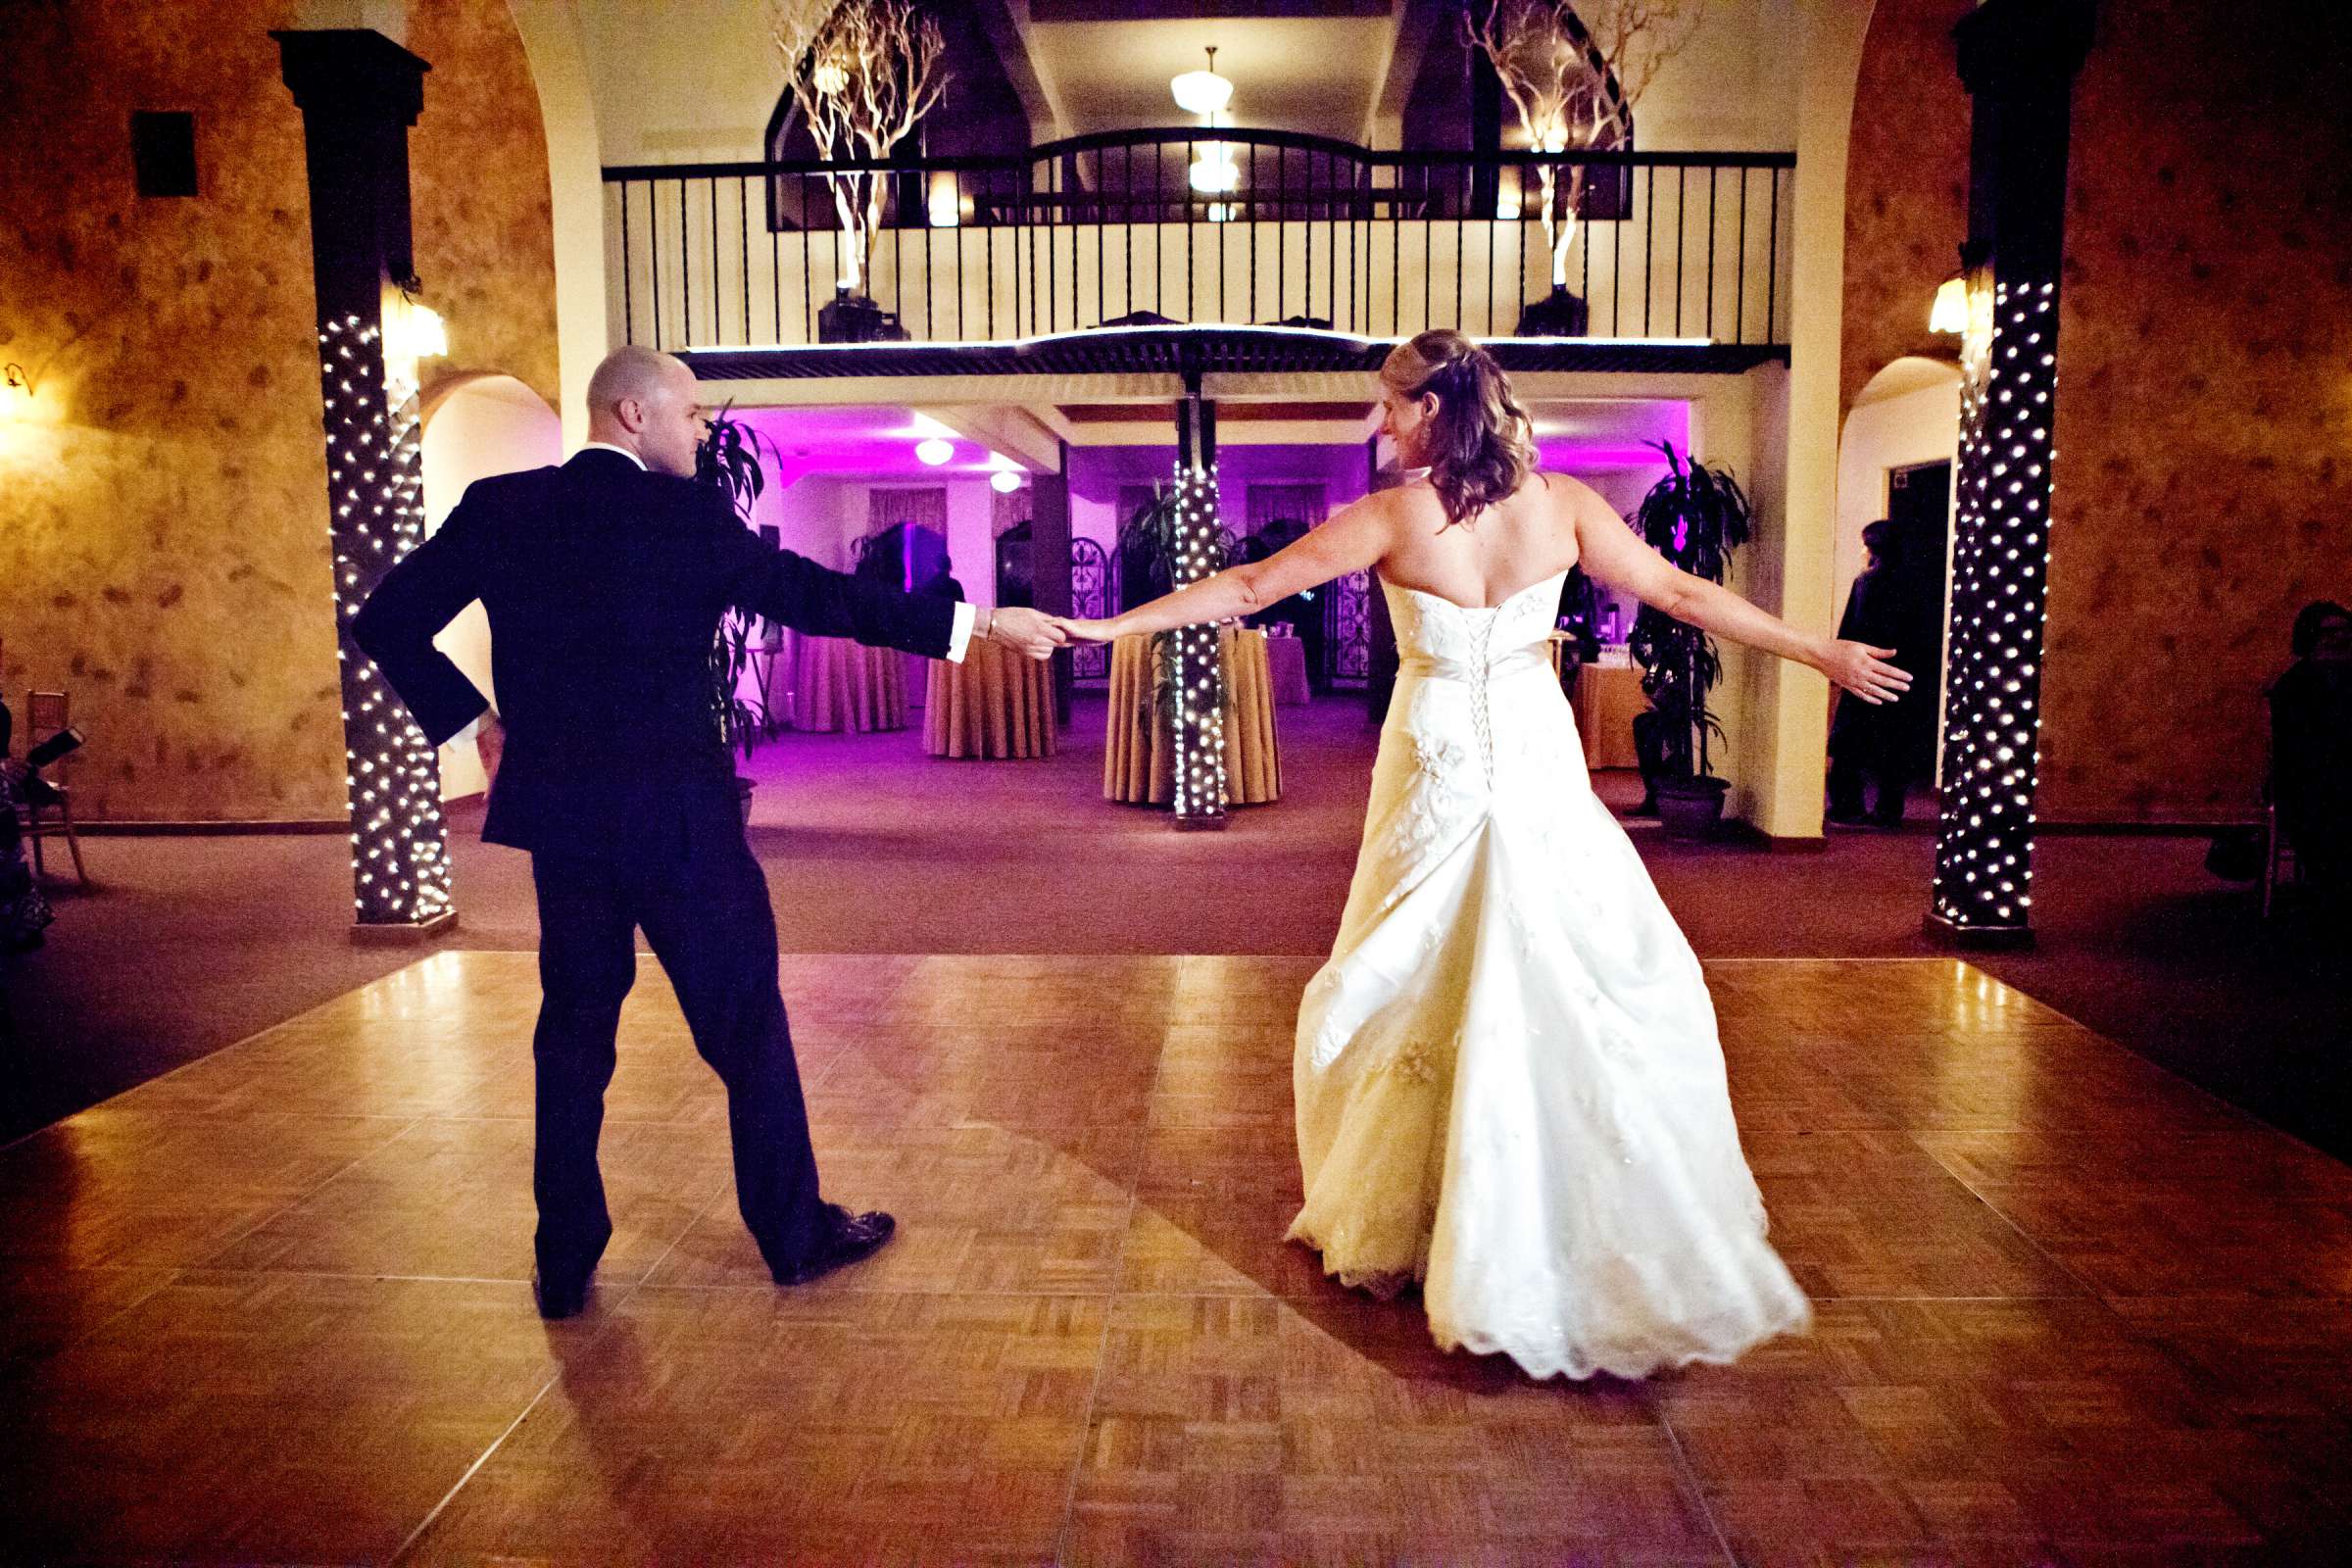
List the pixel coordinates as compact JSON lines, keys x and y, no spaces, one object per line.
{"x":272,"y":1306}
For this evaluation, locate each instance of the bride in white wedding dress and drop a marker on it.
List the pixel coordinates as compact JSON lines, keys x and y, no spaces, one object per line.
{"x":1509,"y":1086}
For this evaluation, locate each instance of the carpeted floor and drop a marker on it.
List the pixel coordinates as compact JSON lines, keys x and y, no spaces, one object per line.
{"x":188,"y":944}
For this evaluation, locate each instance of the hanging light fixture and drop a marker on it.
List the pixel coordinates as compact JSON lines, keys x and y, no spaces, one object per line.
{"x":1202,"y":92}
{"x":1214,"y":173}
{"x":935,"y":451}
{"x":1205,"y":93}
{"x":1004,"y":481}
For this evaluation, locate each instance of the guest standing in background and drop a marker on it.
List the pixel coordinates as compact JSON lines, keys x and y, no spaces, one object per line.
{"x":943,"y":583}
{"x":2311,"y":750}
{"x":1884,"y":745}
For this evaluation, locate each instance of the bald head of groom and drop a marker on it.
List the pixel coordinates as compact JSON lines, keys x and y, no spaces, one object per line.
{"x":647,"y":403}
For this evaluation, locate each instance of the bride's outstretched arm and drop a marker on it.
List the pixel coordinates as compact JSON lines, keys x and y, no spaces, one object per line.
{"x":1617,"y":556}
{"x":1353,"y":540}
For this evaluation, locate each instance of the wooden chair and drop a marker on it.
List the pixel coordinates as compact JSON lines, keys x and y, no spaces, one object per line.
{"x":45,"y":713}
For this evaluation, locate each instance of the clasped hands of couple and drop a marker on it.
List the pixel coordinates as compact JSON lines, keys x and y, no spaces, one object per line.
{"x":1037,"y":634}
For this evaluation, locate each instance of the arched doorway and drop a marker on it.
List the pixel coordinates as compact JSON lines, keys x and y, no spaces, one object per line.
{"x":1895,"y":458}
{"x":477,"y":424}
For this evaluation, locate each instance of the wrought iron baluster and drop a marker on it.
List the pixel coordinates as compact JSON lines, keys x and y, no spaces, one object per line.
{"x":1494,"y":217}
{"x":1461,"y":249}
{"x":1250,"y":309}
{"x":628,"y":306}
{"x":1650,"y":251}
{"x":1712,"y":171}
{"x":1740,"y":298}
{"x":1617,"y":253}
{"x":1682,"y":202}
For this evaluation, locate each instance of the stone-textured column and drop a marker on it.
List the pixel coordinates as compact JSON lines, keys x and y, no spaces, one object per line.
{"x":358,"y":93}
{"x":2018,"y":59}
{"x":1049,"y":565}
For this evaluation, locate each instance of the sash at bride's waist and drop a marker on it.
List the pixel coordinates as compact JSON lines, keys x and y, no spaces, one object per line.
{"x":1519,"y":661}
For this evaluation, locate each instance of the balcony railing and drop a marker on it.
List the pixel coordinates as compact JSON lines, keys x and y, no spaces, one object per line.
{"x":1108,"y":231}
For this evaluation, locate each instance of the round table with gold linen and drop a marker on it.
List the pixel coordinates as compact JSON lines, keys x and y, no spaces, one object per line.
{"x":838,"y":685}
{"x":1286,"y":662}
{"x":997,"y":702}
{"x":1139,"y":750}
{"x":1608,"y":699}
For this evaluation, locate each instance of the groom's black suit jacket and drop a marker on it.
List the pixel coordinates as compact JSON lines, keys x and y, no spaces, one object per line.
{"x":604,"y":585}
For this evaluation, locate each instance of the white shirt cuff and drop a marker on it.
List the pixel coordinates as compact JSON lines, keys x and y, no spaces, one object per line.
{"x":961,"y":638}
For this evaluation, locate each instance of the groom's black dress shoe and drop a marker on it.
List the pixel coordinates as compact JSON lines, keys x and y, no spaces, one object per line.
{"x":558,"y":1298}
{"x":847,"y":1238}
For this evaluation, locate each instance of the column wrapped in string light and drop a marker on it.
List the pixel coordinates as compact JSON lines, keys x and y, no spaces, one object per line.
{"x":1993,"y":721}
{"x":358,"y":93}
{"x":2018,"y":59}
{"x":392,"y":774}
{"x":1199,"y":675}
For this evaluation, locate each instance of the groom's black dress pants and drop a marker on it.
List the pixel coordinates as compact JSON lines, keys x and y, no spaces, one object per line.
{"x":708,"y":921}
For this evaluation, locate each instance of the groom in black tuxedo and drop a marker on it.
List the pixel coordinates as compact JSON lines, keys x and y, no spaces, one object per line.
{"x":605,"y":580}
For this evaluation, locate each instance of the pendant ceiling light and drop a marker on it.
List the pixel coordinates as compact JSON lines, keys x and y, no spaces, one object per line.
{"x":1203,"y":92}
{"x":1214,"y":171}
{"x":935,"y":451}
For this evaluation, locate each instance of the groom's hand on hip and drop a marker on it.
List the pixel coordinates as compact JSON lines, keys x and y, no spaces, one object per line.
{"x":490,"y":742}
{"x":1035,"y":634}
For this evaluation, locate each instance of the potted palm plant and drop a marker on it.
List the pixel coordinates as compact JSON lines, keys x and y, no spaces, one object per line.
{"x":1696,"y":517}
{"x":729,"y":459}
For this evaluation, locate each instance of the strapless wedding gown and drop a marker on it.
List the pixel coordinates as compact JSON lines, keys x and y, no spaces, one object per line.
{"x":1509,"y":1086}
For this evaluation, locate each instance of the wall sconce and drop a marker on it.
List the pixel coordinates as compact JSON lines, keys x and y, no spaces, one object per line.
{"x":413,"y":331}
{"x":1950,"y":312}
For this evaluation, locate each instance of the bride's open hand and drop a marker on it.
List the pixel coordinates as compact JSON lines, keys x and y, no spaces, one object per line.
{"x":1863,"y":670}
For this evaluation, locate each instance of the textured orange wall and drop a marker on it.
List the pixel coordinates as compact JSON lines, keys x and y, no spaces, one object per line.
{"x":2204,"y":476}
{"x":164,"y":557}
{"x":1906,"y":185}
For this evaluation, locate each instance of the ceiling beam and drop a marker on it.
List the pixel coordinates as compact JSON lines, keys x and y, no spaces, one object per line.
{"x":1009,"y":430}
{"x":1039,"y":95}
{"x":1417,"y":25}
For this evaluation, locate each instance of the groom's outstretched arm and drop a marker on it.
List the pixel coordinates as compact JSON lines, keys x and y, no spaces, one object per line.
{"x":795,"y":591}
{"x":421,"y":594}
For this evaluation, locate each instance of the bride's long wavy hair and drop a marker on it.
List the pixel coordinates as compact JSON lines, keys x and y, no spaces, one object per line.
{"x":1481,"y":445}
